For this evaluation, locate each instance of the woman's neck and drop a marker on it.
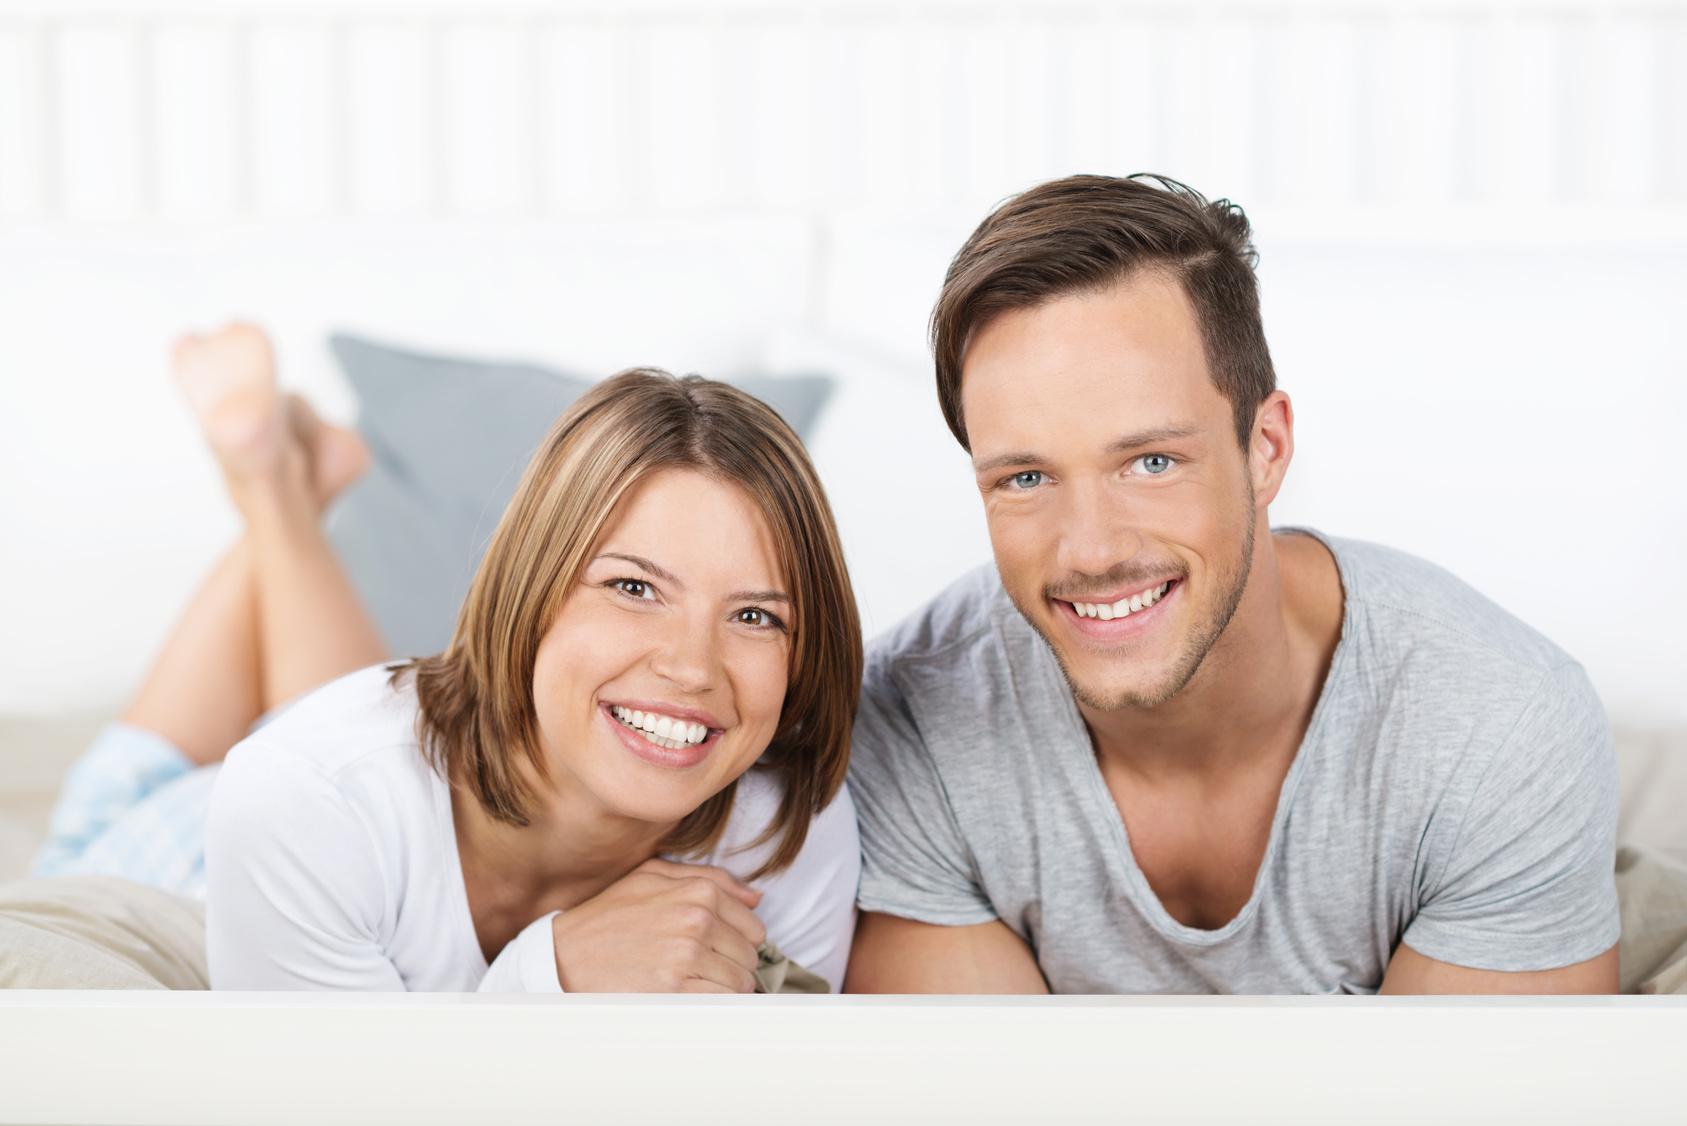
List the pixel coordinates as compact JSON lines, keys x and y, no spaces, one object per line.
{"x":570,"y":849}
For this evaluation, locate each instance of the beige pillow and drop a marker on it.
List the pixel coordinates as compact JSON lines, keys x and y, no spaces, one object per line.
{"x":99,"y":932}
{"x":1652,"y":887}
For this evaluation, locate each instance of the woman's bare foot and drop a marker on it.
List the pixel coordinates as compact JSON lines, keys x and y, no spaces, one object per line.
{"x":337,"y":456}
{"x":228,"y":379}
{"x":271,"y":447}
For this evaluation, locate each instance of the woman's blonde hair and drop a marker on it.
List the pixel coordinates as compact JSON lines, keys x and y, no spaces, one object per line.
{"x":477,"y":709}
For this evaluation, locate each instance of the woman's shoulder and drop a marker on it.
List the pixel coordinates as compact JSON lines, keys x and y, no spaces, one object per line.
{"x":346,"y":753}
{"x":344,"y":720}
{"x":831,"y":833}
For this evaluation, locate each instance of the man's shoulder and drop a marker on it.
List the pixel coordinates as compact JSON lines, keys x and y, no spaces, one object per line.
{"x":963,"y":615}
{"x":1408,"y":609}
{"x":941,"y":666}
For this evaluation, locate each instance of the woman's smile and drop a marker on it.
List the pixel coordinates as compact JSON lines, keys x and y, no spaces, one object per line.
{"x":668,"y":737}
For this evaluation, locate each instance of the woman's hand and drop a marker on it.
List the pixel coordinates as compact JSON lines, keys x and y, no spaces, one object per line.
{"x":661,"y":928}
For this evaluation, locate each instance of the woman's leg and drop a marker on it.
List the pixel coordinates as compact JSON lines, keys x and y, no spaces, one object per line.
{"x":205,"y":688}
{"x":277,"y":616}
{"x":312,"y":626}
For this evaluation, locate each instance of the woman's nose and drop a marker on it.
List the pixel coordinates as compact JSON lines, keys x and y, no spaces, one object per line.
{"x":686,"y":658}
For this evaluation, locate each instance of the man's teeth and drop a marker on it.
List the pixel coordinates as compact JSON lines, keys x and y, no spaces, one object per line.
{"x":663,"y":730}
{"x":1107,"y":611}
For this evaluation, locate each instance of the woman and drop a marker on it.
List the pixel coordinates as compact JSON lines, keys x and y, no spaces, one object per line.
{"x":624,"y":773}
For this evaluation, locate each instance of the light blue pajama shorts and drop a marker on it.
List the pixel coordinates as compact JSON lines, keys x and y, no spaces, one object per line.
{"x":133,"y":806}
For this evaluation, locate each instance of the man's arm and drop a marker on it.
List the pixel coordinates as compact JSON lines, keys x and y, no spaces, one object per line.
{"x":1411,"y":972}
{"x":916,"y":864}
{"x":893,"y":955}
{"x":1519,"y":892}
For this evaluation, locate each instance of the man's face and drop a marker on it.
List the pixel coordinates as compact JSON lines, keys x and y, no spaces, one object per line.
{"x":1120,"y":505}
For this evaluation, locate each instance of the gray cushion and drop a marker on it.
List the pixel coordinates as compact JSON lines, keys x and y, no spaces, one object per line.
{"x":450,"y":438}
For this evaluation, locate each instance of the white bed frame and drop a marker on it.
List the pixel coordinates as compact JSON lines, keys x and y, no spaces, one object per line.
{"x":96,"y":1058}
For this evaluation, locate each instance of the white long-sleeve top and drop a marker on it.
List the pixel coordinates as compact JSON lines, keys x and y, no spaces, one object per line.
{"x":331,"y":862}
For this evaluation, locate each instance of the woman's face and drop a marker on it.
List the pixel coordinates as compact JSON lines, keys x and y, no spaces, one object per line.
{"x":663,"y":676}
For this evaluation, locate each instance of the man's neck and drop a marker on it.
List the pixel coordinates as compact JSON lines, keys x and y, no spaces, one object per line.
{"x":1258,"y":685}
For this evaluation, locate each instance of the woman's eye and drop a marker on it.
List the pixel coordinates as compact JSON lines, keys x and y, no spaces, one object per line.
{"x":1027,"y":480}
{"x":1154,"y":464}
{"x":758,"y":618}
{"x":634,"y":588}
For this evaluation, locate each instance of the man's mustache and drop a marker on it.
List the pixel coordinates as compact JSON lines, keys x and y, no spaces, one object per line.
{"x":1079,"y":588}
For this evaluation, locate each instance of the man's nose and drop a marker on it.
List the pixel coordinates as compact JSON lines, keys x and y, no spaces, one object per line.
{"x":1096,"y":530}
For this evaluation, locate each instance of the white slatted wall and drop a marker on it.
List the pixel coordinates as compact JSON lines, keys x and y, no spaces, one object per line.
{"x":1496,"y":114}
{"x":1472,"y":217}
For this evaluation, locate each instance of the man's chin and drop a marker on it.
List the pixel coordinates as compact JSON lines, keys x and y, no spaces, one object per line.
{"x":1138,"y":695}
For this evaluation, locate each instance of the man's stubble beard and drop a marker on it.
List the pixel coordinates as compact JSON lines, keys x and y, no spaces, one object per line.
{"x":1234,"y":584}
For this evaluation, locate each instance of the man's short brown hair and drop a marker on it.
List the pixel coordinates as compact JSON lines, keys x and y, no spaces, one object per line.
{"x":1085,"y":233}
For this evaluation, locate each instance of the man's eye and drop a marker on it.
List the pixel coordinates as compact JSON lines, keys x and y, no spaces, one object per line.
{"x":1154,"y":464}
{"x":633,"y":588}
{"x":1029,"y":479}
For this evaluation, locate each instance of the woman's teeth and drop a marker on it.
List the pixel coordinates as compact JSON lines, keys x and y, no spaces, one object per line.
{"x":1108,"y":611}
{"x":664,"y":731}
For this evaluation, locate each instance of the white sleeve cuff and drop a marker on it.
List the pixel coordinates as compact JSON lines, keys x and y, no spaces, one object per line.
{"x":527,"y":964}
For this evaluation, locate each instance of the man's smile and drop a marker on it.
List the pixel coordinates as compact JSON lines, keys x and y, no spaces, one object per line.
{"x":1118,"y":617}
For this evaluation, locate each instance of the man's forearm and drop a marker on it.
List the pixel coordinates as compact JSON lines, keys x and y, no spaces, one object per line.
{"x":893,"y":955}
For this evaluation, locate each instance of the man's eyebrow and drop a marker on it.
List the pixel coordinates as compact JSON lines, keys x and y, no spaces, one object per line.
{"x":641,"y":561}
{"x":1134,"y":440}
{"x":1002,"y":461}
{"x":1154,"y":435}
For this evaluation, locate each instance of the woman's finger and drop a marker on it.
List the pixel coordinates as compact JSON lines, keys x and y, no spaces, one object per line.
{"x":724,"y":972}
{"x":741,"y":919}
{"x":726,"y":940}
{"x":720,"y":877}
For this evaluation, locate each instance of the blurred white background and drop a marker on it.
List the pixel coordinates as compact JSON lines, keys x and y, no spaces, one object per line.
{"x":1472,"y":220}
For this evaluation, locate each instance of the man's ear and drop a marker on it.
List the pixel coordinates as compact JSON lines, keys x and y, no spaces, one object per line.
{"x":1271,"y":447}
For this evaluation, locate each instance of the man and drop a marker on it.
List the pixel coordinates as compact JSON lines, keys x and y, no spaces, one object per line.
{"x":1160,"y":747}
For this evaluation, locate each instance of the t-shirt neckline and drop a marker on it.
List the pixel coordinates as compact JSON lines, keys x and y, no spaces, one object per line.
{"x":451,"y":863}
{"x":1137,"y":888}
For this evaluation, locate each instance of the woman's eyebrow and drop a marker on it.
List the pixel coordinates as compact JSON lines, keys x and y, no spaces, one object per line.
{"x":641,"y":561}
{"x":669,"y":577}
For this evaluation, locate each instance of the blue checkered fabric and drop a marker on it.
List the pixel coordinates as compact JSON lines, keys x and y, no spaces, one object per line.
{"x":133,"y":806}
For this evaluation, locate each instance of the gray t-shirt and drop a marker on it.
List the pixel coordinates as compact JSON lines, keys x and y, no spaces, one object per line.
{"x":1456,"y":789}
